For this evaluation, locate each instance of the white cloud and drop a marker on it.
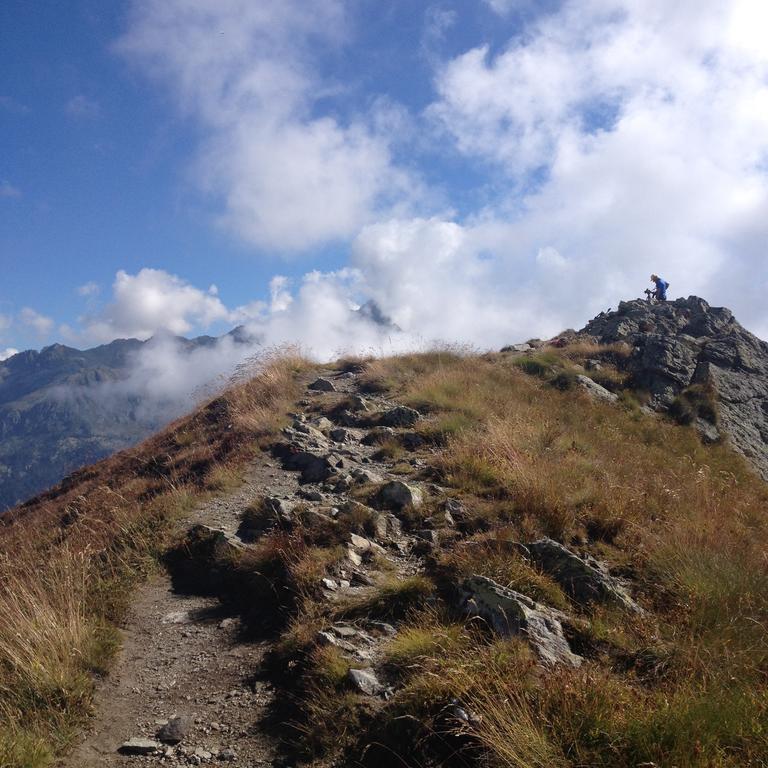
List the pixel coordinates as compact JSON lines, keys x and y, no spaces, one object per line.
{"x":9,"y":190}
{"x":151,"y":301}
{"x":81,"y":106}
{"x":40,"y":324}
{"x":88,"y":289}
{"x":634,"y":138}
{"x":289,"y":178}
{"x":8,"y":352}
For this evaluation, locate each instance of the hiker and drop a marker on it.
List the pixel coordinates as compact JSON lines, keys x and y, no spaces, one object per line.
{"x":660,"y":294}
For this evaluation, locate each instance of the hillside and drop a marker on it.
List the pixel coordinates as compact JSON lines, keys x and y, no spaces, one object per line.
{"x":447,"y":559}
{"x":63,"y":408}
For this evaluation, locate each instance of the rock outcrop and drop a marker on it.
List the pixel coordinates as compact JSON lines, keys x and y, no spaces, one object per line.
{"x":586,"y":580}
{"x":687,"y":349}
{"x":512,"y":613}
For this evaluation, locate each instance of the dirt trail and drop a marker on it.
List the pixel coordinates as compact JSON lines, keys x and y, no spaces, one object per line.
{"x":184,"y":655}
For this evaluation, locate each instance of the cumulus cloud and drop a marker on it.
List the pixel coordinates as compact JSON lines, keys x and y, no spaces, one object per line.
{"x":40,"y":324}
{"x":150,"y":301}
{"x":289,"y":177}
{"x":88,"y":289}
{"x":633,"y":137}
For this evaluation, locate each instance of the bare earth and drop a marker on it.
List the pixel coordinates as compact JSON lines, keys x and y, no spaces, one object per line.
{"x":183,"y":655}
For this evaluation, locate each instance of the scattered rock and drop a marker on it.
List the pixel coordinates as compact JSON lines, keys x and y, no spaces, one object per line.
{"x":429,"y":535}
{"x":175,"y":730}
{"x":330,"y":584}
{"x":314,"y":467}
{"x":365,"y":681}
{"x":397,"y":495}
{"x":512,"y":613}
{"x":524,"y":347}
{"x":595,"y":390}
{"x":322,"y":385}
{"x":357,"y":404}
{"x":586,"y":580}
{"x":139,"y":746}
{"x":378,"y":435}
{"x":227,"y":756}
{"x":339,"y":435}
{"x":399,"y":416}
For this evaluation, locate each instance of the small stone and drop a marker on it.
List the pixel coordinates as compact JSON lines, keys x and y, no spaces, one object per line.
{"x":322,"y":385}
{"x":202,"y":754}
{"x":227,"y":756}
{"x":365,"y":681}
{"x":139,"y":746}
{"x":330,"y":584}
{"x":175,"y":730}
{"x":353,"y":557}
{"x":339,"y":435}
{"x":357,"y":403}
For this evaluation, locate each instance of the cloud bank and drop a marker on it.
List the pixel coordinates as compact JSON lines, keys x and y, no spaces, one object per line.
{"x":289,"y":177}
{"x":608,"y":139}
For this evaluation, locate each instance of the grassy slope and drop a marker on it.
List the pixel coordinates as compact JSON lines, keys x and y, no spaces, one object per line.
{"x":531,"y":455}
{"x":69,"y":558}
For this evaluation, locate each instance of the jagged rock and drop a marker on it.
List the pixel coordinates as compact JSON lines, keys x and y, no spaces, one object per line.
{"x":339,"y":435}
{"x":595,"y":390}
{"x":399,"y":416}
{"x":593,"y":365}
{"x":139,"y":746}
{"x":322,"y":385}
{"x":354,"y":557}
{"x":586,"y":580}
{"x":322,"y":424}
{"x":175,"y":730}
{"x":524,"y":347}
{"x":346,"y":418}
{"x":386,"y":526}
{"x":329,"y":584}
{"x":314,"y":468}
{"x":363,"y":545}
{"x":306,"y":429}
{"x":378,"y":435}
{"x":708,"y":432}
{"x":686,"y":342}
{"x":511,"y":613}
{"x":310,"y":494}
{"x":227,"y":756}
{"x":361,"y":476}
{"x":358,"y":404}
{"x":455,"y":509}
{"x":397,"y":495}
{"x":365,"y":681}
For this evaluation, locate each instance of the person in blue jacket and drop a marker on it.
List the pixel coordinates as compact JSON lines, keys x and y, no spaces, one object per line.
{"x":661,"y":288}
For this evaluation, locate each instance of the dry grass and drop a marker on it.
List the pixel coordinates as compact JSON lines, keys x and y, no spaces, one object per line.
{"x":685,"y":521}
{"x":70,"y":557}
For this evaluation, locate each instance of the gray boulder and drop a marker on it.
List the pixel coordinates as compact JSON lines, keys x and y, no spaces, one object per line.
{"x":400,"y":416}
{"x":175,"y":730}
{"x":584,"y":579}
{"x":397,"y":495}
{"x":511,"y":613}
{"x":365,"y":681}
{"x":596,"y":391}
{"x":322,"y":385}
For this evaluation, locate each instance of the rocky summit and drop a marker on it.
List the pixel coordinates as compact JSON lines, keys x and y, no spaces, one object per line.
{"x":698,"y":362}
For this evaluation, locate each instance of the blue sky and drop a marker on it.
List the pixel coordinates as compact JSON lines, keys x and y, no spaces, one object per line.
{"x":485,"y":170}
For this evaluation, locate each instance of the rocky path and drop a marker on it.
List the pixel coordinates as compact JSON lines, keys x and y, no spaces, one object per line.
{"x":185,"y":664}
